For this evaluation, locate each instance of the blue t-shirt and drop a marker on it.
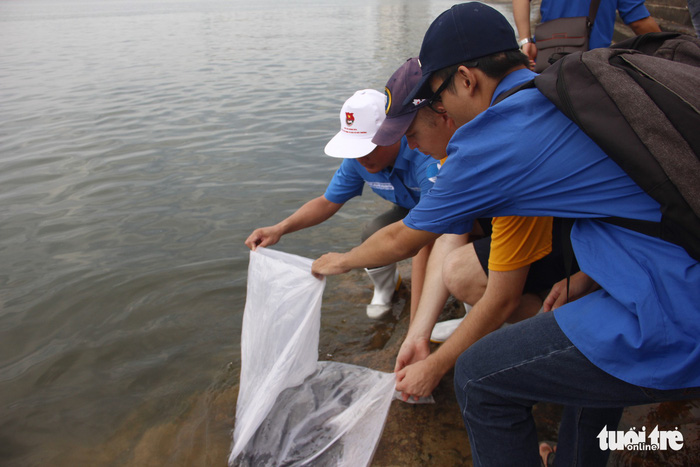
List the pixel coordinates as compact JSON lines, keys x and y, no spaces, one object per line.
{"x":602,"y":32}
{"x":524,"y":157}
{"x":402,"y":184}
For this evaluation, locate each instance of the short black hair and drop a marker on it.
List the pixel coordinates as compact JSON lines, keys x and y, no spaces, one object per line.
{"x":494,"y":66}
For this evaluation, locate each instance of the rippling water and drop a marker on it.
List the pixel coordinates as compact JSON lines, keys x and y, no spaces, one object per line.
{"x":140,"y":143}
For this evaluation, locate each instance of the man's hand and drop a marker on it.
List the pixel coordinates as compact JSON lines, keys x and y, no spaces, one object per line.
{"x":413,"y":377}
{"x":329,"y":264}
{"x":412,"y":350}
{"x":418,"y":379}
{"x":579,"y":285}
{"x":265,"y":236}
{"x":530,"y":49}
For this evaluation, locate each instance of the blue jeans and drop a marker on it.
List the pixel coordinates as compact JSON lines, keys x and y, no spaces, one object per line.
{"x":500,"y":378}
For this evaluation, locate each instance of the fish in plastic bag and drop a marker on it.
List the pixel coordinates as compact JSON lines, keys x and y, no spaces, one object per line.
{"x":292,"y":409}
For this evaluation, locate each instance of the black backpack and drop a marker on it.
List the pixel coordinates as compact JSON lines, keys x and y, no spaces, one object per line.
{"x":639,"y":100}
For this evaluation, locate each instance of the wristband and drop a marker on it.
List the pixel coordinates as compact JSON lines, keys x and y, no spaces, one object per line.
{"x":527,"y":40}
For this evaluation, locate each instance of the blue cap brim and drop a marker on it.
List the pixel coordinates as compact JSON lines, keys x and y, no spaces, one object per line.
{"x":393,"y":129}
{"x":420,"y":91}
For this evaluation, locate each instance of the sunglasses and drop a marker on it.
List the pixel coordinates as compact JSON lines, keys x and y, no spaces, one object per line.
{"x":435,"y":101}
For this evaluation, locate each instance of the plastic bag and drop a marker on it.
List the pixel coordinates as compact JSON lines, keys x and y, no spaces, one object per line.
{"x":293,"y":409}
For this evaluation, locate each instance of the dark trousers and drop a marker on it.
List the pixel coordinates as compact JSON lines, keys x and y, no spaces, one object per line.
{"x":500,"y":378}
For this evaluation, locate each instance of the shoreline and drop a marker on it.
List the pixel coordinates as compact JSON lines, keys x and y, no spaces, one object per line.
{"x":414,"y":435}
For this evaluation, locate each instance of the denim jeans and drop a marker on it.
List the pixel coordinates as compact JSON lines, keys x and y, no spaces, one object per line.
{"x":694,"y":8}
{"x":500,"y":378}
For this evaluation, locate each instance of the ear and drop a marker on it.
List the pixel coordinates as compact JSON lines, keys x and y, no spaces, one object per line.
{"x":447,"y":121}
{"x":467,"y":78}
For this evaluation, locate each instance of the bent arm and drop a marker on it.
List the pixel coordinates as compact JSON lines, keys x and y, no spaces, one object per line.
{"x":419,"y":266}
{"x":388,"y":245}
{"x":503,"y":293}
{"x":521,"y":16}
{"x":435,"y":292}
{"x":644,"y":26}
{"x":416,"y":345}
{"x":580,"y":284}
{"x":502,"y":297}
{"x":311,"y":213}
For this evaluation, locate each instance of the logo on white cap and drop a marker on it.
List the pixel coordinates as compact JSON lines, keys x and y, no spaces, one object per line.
{"x":360,"y":118}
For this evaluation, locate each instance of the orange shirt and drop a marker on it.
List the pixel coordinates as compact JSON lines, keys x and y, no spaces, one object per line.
{"x":518,"y":241}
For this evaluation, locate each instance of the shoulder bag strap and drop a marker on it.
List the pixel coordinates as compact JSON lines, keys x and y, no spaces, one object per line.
{"x":593,"y":11}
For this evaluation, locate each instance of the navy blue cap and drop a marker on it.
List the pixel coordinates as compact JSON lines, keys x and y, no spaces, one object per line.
{"x":463,"y":33}
{"x":399,"y":115}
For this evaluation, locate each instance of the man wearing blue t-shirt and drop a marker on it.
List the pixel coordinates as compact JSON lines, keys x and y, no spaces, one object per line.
{"x":632,"y":12}
{"x":395,"y":172}
{"x":631,"y":334}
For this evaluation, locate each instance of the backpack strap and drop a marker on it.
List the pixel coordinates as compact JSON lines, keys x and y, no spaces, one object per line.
{"x":513,"y":90}
{"x":567,"y":250}
{"x":593,"y":11}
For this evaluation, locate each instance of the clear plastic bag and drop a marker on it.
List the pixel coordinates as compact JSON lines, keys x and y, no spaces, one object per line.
{"x":293,"y":409}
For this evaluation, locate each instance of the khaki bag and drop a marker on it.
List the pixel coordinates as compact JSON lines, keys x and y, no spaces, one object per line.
{"x":563,"y":36}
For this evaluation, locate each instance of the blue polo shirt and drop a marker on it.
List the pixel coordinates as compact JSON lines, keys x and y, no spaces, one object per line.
{"x":402,"y":184}
{"x":602,"y":32}
{"x":524,"y":157}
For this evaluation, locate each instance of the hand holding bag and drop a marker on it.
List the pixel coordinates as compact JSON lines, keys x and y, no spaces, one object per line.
{"x":563,"y":36}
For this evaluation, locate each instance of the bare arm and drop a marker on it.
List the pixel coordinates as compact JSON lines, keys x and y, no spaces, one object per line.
{"x":521,"y":15}
{"x":388,"y":245}
{"x":431,"y":303}
{"x":419,"y":264}
{"x":644,"y":26}
{"x":435,"y":294}
{"x":312,"y":213}
{"x":500,"y":300}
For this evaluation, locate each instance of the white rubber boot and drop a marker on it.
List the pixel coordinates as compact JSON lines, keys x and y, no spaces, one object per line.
{"x":386,"y":281}
{"x":444,"y":329}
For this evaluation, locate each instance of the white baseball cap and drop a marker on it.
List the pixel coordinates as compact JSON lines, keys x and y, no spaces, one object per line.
{"x":360,"y":118}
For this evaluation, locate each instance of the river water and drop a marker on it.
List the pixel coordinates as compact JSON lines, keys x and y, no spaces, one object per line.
{"x":140,"y":144}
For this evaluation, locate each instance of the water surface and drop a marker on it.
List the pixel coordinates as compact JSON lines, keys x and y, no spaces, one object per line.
{"x":140,"y":144}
